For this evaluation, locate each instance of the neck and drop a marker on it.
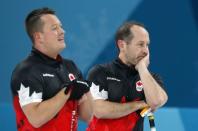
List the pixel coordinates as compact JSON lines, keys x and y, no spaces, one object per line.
{"x":47,"y":53}
{"x":124,"y":60}
{"x":51,"y":55}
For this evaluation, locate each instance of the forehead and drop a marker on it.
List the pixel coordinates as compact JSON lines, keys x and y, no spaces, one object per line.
{"x":140,"y":34}
{"x":50,"y":19}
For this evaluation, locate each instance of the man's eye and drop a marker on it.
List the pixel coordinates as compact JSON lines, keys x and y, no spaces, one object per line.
{"x":141,"y":44}
{"x":54,"y":28}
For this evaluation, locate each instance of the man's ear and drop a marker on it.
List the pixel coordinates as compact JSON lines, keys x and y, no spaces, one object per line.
{"x":38,"y":37}
{"x":121,"y":44}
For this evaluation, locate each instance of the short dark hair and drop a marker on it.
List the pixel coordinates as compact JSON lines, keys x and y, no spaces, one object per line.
{"x":33,"y":23}
{"x":125,"y":33}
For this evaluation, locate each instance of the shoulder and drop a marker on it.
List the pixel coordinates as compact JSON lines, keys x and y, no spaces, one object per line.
{"x":100,"y":68}
{"x":23,"y":67}
{"x":24,"y":71}
{"x":99,"y":71}
{"x":28,"y":68}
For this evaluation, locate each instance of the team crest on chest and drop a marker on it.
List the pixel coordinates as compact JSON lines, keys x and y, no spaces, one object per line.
{"x":139,"y":85}
{"x":71,"y":77}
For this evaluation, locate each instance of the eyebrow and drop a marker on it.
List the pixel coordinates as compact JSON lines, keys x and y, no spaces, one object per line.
{"x":57,"y":24}
{"x":144,"y":42}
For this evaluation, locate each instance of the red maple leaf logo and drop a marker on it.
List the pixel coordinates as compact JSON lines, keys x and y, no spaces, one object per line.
{"x":139,"y":83}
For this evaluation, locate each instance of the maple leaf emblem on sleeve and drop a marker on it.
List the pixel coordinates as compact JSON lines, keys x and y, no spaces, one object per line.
{"x":25,"y":98}
{"x":96,"y":93}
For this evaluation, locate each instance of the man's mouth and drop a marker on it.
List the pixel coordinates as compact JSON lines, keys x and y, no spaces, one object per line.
{"x":60,"y":39}
{"x":141,"y":57}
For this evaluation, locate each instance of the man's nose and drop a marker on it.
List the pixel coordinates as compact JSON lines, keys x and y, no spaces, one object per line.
{"x":145,"y":50}
{"x":62,"y":31}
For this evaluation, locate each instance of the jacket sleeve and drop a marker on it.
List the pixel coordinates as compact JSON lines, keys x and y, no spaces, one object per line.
{"x":99,"y":90}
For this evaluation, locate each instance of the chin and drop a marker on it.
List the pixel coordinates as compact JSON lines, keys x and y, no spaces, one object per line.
{"x":61,"y":49}
{"x":63,"y":45}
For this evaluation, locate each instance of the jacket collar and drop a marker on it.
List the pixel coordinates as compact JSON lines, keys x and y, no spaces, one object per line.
{"x":44,"y":58}
{"x":125,"y":68}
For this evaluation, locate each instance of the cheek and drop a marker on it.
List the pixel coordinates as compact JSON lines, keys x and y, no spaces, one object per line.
{"x":132,"y":52}
{"x":51,"y":35}
{"x":52,"y":39}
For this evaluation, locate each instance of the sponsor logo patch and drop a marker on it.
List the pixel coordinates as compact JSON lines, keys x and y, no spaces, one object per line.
{"x":48,"y":75}
{"x":112,"y":78}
